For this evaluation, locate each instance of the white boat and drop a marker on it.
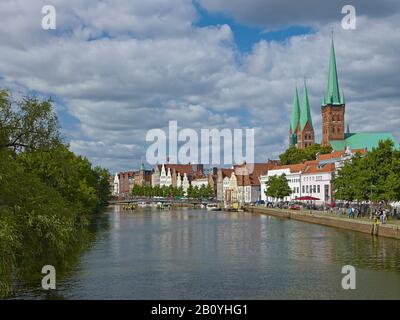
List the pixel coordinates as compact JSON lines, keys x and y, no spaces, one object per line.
{"x":213,"y":207}
{"x":142,"y":204}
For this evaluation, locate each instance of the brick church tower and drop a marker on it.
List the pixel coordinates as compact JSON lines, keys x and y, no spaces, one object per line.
{"x":301,"y":133}
{"x":333,"y":106}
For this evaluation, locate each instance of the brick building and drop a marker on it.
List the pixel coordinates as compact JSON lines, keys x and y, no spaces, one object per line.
{"x":301,"y":132}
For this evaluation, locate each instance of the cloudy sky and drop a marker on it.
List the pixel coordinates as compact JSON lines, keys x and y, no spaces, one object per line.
{"x":118,"y":68}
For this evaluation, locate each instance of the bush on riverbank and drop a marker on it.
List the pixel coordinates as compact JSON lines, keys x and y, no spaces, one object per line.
{"x":47,"y":193}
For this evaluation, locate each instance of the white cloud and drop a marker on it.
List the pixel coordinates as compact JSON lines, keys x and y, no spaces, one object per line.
{"x":154,"y":66}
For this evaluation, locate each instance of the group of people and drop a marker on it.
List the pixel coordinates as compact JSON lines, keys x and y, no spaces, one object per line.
{"x":380,"y":214}
{"x":353,"y":212}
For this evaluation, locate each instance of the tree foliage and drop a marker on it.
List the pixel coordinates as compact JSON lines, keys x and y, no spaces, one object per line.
{"x":28,"y":124}
{"x":47,"y":193}
{"x":375,"y":176}
{"x":204,"y":192}
{"x":278,"y":187}
{"x":294,"y":155}
{"x":156,"y":191}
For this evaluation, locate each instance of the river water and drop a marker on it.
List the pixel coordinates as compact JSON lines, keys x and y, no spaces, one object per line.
{"x":195,"y":254}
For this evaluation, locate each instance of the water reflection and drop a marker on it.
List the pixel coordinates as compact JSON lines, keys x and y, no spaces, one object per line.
{"x":195,"y":254}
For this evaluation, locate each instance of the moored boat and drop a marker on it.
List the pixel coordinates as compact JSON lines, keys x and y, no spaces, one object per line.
{"x":213,"y":207}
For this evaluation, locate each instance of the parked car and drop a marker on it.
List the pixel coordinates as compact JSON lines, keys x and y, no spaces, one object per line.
{"x":259,"y":202}
{"x":294,"y":207}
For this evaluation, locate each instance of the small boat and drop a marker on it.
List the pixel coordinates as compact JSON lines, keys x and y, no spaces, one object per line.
{"x":142,"y":204}
{"x":213,"y":207}
{"x":131,"y":206}
{"x":159,"y":205}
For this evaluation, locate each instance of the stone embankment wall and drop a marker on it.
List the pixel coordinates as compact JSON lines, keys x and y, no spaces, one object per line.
{"x":386,"y":230}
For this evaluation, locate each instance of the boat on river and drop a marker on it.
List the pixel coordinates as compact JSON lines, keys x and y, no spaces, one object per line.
{"x":213,"y":207}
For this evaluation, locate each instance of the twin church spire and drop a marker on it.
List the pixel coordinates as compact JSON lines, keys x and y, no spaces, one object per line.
{"x":301,"y":125}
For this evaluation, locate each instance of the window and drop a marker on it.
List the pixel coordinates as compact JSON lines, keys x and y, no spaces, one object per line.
{"x":303,"y":189}
{"x":306,"y":189}
{"x":314,"y":189}
{"x":318,"y":189}
{"x":326,"y":192}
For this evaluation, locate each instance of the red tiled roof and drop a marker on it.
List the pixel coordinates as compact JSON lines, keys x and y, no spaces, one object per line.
{"x":338,"y":154}
{"x":255,"y":170}
{"x":315,"y":168}
{"x":293,"y":167}
{"x":182,"y":168}
{"x":332,"y":155}
{"x":226,"y":172}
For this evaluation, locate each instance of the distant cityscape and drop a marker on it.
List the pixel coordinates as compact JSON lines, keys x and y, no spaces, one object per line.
{"x":244,"y":185}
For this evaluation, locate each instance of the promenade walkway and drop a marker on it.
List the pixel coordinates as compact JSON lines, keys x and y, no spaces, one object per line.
{"x":391,"y":229}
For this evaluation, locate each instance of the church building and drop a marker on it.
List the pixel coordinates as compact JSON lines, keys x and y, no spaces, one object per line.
{"x":301,"y":132}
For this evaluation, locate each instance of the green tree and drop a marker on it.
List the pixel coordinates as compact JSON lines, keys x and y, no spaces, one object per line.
{"x":46,"y":193}
{"x":29,"y":124}
{"x":376,"y":175}
{"x":69,"y":174}
{"x":190,"y":192}
{"x":196,"y":192}
{"x":294,"y":155}
{"x":209,"y":192}
{"x":383,"y":167}
{"x":278,"y":187}
{"x":352,"y":181}
{"x":180,"y":192}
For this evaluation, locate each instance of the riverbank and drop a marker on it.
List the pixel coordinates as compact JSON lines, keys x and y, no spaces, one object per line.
{"x":388,"y":230}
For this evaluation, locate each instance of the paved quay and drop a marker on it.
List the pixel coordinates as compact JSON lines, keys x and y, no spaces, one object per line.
{"x":391,"y":229}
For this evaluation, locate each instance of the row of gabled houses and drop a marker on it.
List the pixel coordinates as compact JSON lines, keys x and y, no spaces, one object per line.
{"x":245,"y":183}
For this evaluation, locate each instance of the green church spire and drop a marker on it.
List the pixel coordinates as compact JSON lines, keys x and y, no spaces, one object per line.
{"x":295,"y":112}
{"x":305,"y":114}
{"x":332,"y":95}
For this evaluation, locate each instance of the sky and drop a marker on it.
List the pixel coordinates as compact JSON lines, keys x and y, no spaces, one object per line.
{"x":119,"y":68}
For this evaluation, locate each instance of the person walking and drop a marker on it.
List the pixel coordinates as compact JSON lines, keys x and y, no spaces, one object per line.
{"x":349,"y":211}
{"x":381,"y":216}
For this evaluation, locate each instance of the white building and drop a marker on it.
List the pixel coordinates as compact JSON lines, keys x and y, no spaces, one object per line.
{"x":115,"y":191}
{"x":155,"y":177}
{"x":316,"y":181}
{"x":200,"y":182}
{"x":293,"y":175}
{"x":182,"y":182}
